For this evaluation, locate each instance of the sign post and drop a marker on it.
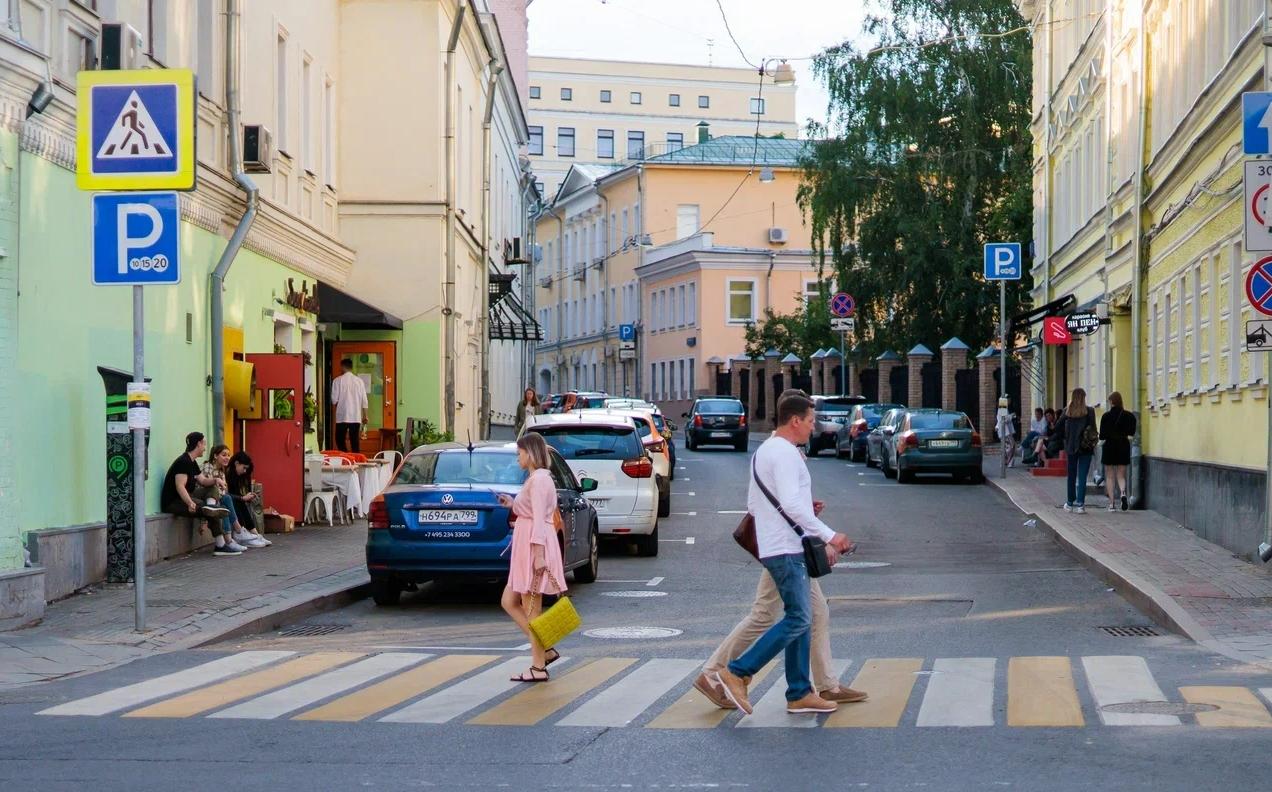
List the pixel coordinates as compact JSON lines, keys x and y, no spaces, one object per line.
{"x":842,"y":307}
{"x":1003,"y":262}
{"x":1258,"y":335}
{"x":135,"y":131}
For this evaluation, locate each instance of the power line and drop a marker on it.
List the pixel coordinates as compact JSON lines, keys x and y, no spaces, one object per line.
{"x":729,"y":30}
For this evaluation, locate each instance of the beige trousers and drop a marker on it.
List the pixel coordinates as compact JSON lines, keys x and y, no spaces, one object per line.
{"x":765,"y":612}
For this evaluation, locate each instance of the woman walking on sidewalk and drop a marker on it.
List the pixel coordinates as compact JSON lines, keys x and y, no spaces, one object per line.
{"x":1077,"y":428}
{"x":536,"y":566}
{"x":1117,"y":427}
{"x":527,"y":408}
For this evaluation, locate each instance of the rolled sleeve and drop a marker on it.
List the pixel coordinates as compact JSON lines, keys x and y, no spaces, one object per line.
{"x":542,"y":505}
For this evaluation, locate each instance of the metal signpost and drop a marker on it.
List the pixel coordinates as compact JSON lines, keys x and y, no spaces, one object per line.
{"x":1258,"y":334}
{"x":842,"y":307}
{"x":1003,"y":262}
{"x":135,"y":131}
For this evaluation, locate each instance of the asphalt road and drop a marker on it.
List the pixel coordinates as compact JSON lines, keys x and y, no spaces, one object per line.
{"x":954,"y":574}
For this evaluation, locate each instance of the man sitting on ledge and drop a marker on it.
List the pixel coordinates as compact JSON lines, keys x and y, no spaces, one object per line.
{"x":188,"y":492}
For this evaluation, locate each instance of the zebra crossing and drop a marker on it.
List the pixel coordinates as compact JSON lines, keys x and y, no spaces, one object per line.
{"x":618,"y":692}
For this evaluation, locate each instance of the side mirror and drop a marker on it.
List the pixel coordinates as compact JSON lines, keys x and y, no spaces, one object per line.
{"x":588,"y":485}
{"x":672,"y":426}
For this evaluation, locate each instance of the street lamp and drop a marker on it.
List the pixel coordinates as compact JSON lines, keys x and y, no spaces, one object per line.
{"x":781,"y":72}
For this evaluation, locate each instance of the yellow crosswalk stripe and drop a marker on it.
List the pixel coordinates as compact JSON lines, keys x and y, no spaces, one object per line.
{"x":889,"y":681}
{"x":545,"y":698}
{"x":1040,"y":692}
{"x":694,"y":711}
{"x":244,"y":687}
{"x":1239,"y":708}
{"x":396,"y":689}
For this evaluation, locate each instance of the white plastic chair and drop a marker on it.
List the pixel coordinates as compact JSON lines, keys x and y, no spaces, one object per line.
{"x":317,"y":493}
{"x":336,"y":461}
{"x":394,"y":457}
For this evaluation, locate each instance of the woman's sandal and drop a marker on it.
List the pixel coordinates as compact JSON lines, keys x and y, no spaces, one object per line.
{"x":534,"y":675}
{"x":551,"y":657}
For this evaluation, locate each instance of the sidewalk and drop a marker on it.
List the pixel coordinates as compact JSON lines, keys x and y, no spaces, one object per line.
{"x":190,"y":601}
{"x":1189,"y":585}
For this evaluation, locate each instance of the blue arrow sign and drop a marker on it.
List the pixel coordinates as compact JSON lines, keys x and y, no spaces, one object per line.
{"x":1003,"y":261}
{"x":1256,"y":122}
{"x":136,"y":239}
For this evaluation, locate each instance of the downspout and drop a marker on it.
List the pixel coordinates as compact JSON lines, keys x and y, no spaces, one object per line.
{"x":560,"y":318}
{"x":216,"y":288}
{"x":605,"y":306}
{"x":768,"y":283}
{"x":492,"y":85}
{"x":1137,"y":275}
{"x":448,"y":286}
{"x":1046,"y":195}
{"x":640,"y":262}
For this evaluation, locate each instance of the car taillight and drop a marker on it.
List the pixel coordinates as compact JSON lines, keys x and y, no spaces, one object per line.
{"x":742,"y":420}
{"x":378,"y":515}
{"x":858,"y":428}
{"x":976,"y":440}
{"x":641,"y":467}
{"x":908,"y":440}
{"x":697,"y":421}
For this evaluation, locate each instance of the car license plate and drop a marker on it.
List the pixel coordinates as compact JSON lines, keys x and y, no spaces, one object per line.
{"x":719,"y":434}
{"x":601,"y":504}
{"x":443,"y":516}
{"x":943,"y":443}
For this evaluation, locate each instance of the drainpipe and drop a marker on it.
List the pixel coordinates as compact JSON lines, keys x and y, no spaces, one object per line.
{"x":233,"y":18}
{"x":492,"y":85}
{"x":557,"y":345}
{"x":768,"y":283}
{"x":448,"y":286}
{"x":1046,"y":196}
{"x":640,"y":262}
{"x":1137,"y":277}
{"x":605,"y":306}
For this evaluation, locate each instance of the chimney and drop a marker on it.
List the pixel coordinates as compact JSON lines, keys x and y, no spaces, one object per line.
{"x":704,"y":131}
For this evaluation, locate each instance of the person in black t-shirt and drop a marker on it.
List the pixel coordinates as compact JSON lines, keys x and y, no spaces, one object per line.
{"x":185,"y":486}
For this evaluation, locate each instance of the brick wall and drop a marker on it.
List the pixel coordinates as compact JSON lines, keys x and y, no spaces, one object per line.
{"x":514,"y":30}
{"x":985,"y":368}
{"x":916,"y":364}
{"x":11,"y":556}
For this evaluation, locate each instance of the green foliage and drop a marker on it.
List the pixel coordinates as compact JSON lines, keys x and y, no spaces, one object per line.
{"x":427,"y":433}
{"x":802,"y":332}
{"x":927,"y":156}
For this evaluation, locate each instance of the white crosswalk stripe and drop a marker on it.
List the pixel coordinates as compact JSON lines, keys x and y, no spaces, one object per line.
{"x":1124,"y":680}
{"x":960,"y":692}
{"x":770,"y":710}
{"x":311,"y":691}
{"x":464,"y":696}
{"x":624,"y":701}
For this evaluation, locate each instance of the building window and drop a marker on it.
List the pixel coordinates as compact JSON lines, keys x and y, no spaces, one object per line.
{"x":565,"y":142}
{"x":675,"y":141}
{"x":535,"y":92}
{"x":208,"y":58}
{"x":757,"y":106}
{"x":606,"y":97}
{"x":704,"y":102}
{"x":740,"y":298}
{"x":280,"y":93}
{"x":567,"y":94}
{"x":692,"y":318}
{"x":635,"y":145}
{"x":684,"y":386}
{"x":160,"y":18}
{"x":306,"y":115}
{"x":673,"y":100}
{"x":683,"y":313}
{"x":687,"y":217}
{"x":536,"y":140}
{"x":813,"y":291}
{"x":329,"y":131}
{"x":605,"y":143}
{"x":538,"y":186}
{"x":634,"y":96}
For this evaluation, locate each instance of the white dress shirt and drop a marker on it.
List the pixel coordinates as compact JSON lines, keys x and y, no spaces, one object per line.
{"x":349,"y":394}
{"x":780,"y":466}
{"x":1038,"y":425}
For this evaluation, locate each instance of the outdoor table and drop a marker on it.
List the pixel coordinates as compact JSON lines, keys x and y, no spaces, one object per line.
{"x":345,"y":479}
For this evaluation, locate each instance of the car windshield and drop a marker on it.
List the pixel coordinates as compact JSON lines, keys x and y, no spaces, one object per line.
{"x":590,"y":402}
{"x":658,"y":421}
{"x":874,"y":411}
{"x":592,"y":442}
{"x":642,"y":427}
{"x":461,"y":467}
{"x":829,"y":406}
{"x":944,"y":420}
{"x":720,"y":407}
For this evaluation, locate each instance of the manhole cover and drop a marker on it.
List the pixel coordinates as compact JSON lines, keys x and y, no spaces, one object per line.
{"x":861,"y":564}
{"x":1158,"y":708}
{"x":632,"y":633}
{"x":305,"y":630}
{"x":634,"y":594}
{"x":1131,"y":631}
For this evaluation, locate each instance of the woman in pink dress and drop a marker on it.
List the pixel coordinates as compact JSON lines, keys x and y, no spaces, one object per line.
{"x":535,"y":551}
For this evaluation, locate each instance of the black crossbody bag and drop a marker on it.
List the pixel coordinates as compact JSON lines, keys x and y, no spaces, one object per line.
{"x":815,"y":557}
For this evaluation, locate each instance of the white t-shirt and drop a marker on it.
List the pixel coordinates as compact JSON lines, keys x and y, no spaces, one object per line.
{"x":1038,"y":425}
{"x":780,"y":466}
{"x":349,"y":394}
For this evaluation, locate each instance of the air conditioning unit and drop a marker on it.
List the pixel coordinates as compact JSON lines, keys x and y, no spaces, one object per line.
{"x":513,"y":253}
{"x":258,"y":149}
{"x":122,"y":47}
{"x":777,"y":236}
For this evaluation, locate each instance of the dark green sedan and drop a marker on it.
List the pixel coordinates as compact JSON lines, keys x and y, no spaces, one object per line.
{"x":933,"y":441}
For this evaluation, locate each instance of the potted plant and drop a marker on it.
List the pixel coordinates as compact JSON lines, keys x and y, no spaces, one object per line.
{"x":311,"y":410}
{"x":284,"y":410}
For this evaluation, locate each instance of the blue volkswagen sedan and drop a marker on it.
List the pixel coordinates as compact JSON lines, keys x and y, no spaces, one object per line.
{"x":440,"y":518}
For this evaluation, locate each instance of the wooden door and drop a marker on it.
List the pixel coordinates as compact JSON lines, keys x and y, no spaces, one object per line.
{"x":276,"y":439}
{"x":375,"y":363}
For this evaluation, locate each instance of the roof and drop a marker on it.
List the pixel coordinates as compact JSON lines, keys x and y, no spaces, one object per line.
{"x":737,"y":150}
{"x":483,"y":445}
{"x":919,"y":349}
{"x":889,"y":355}
{"x":580,"y":418}
{"x":955,"y":343}
{"x":620,"y":412}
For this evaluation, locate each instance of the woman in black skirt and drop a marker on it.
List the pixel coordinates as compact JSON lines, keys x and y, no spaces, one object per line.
{"x":1117,"y":427}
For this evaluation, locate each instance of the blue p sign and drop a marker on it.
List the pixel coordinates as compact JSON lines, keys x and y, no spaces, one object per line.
{"x":136,"y":239}
{"x":1003,"y":261}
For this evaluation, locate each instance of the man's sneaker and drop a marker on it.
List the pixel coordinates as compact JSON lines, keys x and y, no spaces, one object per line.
{"x":227,"y":550}
{"x":734,"y":688}
{"x":844,"y":695}
{"x":713,"y":693}
{"x":811,"y":703}
{"x":211,"y":510}
{"x":1067,"y":507}
{"x":1079,"y":510}
{"x":1125,"y":505}
{"x":249,"y":540}
{"x":265,"y":542}
{"x":235,"y":546}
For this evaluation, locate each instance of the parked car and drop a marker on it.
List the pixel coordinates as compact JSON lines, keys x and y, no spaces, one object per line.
{"x":852,"y":439}
{"x":550,"y":403}
{"x":608,"y":448}
{"x":440,"y":518}
{"x":877,"y":438}
{"x":832,"y":415}
{"x":582,"y":400}
{"x":654,"y":444}
{"x":933,"y":441}
{"x":715,"y":420}
{"x":667,"y":428}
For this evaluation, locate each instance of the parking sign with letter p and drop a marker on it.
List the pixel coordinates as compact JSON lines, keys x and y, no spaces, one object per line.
{"x":136,"y":239}
{"x":1003,"y":261}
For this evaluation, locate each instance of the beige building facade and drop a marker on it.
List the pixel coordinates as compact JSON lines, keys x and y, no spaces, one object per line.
{"x":606,"y":112}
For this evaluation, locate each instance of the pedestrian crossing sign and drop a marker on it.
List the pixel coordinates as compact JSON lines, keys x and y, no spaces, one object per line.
{"x":135,"y":130}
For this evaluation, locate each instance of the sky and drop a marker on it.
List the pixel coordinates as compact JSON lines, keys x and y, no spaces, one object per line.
{"x":693,"y":31}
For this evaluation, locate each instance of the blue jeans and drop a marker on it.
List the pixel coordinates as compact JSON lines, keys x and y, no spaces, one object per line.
{"x":791,"y":634}
{"x":1077,"y":467}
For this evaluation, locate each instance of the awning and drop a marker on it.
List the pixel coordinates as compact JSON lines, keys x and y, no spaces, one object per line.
{"x":337,"y":307}
{"x":508,"y":318}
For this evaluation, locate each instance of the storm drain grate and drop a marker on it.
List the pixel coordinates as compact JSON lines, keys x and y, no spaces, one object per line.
{"x":305,"y":630}
{"x":1131,"y":631}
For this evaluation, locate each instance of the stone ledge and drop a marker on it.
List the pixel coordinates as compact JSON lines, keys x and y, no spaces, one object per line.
{"x":21,"y":597}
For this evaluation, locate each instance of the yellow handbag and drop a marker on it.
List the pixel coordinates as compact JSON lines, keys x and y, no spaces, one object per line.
{"x":553,"y":625}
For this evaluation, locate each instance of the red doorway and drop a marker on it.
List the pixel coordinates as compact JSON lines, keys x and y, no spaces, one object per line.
{"x":276,"y":439}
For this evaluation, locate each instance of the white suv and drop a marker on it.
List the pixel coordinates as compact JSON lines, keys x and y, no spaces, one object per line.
{"x":655,"y":445}
{"x":608,"y":448}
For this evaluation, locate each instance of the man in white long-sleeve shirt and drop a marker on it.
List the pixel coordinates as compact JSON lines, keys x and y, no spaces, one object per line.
{"x":780,"y":466}
{"x":349,"y":395}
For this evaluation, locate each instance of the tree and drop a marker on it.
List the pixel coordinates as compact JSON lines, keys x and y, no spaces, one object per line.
{"x":926,"y":157}
{"x":803,"y":332}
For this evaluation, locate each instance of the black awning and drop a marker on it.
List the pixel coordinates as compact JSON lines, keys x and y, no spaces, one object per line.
{"x":510,"y":322}
{"x":337,"y":307}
